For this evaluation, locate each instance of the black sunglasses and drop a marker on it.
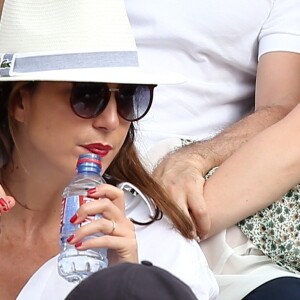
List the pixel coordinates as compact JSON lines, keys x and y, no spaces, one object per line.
{"x":89,"y":99}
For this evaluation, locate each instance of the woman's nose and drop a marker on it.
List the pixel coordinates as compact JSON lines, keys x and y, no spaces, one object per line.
{"x":109,"y":118}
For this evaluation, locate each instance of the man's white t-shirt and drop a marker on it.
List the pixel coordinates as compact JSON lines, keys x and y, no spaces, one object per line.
{"x":215,"y":45}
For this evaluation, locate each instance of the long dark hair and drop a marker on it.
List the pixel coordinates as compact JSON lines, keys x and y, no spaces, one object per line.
{"x":126,"y":166}
{"x":6,"y":140}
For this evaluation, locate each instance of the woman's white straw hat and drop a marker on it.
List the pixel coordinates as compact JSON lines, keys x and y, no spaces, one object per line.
{"x":71,"y":40}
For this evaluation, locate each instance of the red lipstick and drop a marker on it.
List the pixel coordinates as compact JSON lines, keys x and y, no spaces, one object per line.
{"x":97,"y":148}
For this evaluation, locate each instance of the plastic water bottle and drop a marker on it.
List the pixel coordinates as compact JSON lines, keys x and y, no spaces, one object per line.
{"x":75,"y":265}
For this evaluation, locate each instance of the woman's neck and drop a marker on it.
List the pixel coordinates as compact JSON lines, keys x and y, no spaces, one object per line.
{"x":29,"y":232}
{"x":38,"y":202}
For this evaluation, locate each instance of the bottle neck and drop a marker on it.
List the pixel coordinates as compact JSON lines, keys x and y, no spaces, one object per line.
{"x":88,"y":173}
{"x":89,"y":169}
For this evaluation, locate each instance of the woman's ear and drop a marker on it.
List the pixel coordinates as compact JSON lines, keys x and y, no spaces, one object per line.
{"x":22,"y":98}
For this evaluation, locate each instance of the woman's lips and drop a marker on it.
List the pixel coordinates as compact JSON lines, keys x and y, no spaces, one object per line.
{"x":101,"y":150}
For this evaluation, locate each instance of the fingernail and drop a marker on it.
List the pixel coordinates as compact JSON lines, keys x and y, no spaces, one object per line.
{"x":74,"y":218}
{"x":78,"y":244}
{"x":70,"y":238}
{"x":92,"y":191}
{"x":3,"y":203}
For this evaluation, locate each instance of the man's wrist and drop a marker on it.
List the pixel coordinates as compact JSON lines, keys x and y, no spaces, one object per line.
{"x":200,"y":154}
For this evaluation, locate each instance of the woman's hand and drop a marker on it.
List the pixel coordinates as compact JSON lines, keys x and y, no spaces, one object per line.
{"x":119,"y":234}
{"x":6,"y":202}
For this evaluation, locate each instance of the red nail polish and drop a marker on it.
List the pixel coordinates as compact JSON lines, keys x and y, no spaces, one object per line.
{"x":70,"y":238}
{"x":74,"y":218}
{"x":3,"y":203}
{"x":92,"y":191}
{"x":78,"y":244}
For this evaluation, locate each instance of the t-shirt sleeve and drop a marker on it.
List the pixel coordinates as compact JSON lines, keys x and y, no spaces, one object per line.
{"x":281,"y":31}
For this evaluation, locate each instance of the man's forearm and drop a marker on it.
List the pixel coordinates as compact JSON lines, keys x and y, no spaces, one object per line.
{"x":213,"y":152}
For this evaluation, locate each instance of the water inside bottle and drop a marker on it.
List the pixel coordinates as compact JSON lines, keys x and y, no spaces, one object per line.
{"x":75,"y":265}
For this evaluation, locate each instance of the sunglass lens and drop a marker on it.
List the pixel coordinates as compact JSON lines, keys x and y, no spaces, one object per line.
{"x":89,"y":99}
{"x":134,"y":101}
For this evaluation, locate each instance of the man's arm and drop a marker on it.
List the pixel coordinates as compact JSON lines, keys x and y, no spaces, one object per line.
{"x":277,"y":93}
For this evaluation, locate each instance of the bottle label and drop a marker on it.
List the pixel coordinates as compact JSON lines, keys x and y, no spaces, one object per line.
{"x":70,"y":205}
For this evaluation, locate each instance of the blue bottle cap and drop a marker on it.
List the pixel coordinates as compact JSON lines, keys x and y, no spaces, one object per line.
{"x":89,"y":162}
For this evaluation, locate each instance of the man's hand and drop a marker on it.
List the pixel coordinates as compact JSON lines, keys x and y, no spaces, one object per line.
{"x":181,"y":173}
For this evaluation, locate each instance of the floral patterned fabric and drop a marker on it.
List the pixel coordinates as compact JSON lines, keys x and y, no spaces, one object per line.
{"x":275,"y":230}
